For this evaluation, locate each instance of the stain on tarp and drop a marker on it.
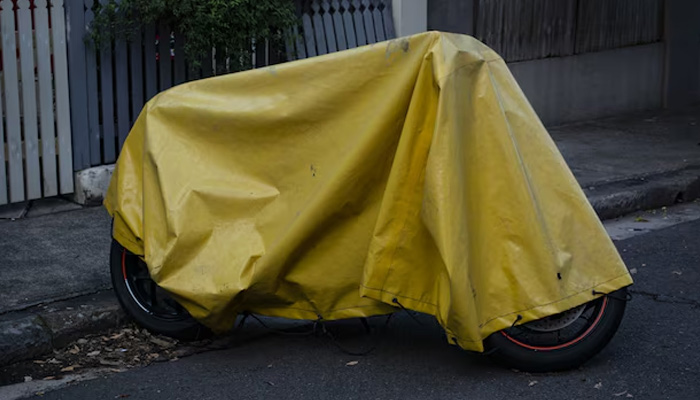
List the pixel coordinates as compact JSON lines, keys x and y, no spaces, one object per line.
{"x":397,"y":46}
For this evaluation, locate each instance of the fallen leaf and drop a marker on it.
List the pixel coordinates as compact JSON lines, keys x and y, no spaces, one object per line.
{"x":633,"y":271}
{"x":269,"y":366}
{"x":116,"y":336}
{"x":679,"y":273}
{"x":161,"y":342}
{"x":174,"y":359}
{"x":351,"y":363}
{"x":74,"y":350}
{"x":533,"y":383}
{"x":598,"y":385}
{"x":93,"y":353}
{"x":28,"y":379}
{"x":641,"y":219}
{"x":39,"y":393}
{"x":629,"y":395}
{"x":116,"y":370}
{"x":70,"y":368}
{"x":105,"y":339}
{"x":49,"y":378}
{"x":620,"y":394}
{"x":53,"y":361}
{"x":39,"y":362}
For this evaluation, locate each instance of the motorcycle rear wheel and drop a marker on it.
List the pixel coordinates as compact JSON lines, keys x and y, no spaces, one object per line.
{"x":560,"y":342}
{"x":147,"y":303}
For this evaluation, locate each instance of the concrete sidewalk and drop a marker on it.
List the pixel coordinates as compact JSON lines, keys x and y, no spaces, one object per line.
{"x":54,"y":279}
{"x":54,"y":274}
{"x":634,"y":162}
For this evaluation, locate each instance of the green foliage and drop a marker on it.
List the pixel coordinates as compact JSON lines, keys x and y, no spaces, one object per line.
{"x":226,"y":25}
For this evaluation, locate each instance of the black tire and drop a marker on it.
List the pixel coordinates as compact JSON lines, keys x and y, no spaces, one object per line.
{"x":154,"y":310}
{"x":528,"y":349}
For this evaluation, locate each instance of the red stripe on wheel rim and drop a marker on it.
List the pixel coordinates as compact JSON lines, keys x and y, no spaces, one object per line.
{"x":563,"y":345}
{"x":124,"y":263}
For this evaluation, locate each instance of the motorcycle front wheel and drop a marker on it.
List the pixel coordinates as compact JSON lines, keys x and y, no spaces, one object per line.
{"x":560,"y":342}
{"x":147,"y":303}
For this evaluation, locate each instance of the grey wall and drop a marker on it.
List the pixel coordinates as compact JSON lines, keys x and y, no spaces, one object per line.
{"x":600,"y":83}
{"x":451,"y":16}
{"x":683,"y":52}
{"x":593,"y":85}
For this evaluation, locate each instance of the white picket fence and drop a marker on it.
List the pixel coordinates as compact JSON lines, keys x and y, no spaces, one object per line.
{"x":35,"y":133}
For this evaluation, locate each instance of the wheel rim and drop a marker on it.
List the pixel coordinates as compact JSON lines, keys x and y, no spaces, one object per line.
{"x":559,"y":331}
{"x":150,"y":297}
{"x":557,"y":322}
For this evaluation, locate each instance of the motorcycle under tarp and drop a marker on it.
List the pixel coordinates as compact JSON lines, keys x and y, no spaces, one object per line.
{"x":410,"y":173}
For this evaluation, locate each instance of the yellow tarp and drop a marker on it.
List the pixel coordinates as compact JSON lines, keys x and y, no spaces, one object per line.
{"x":413,"y":169}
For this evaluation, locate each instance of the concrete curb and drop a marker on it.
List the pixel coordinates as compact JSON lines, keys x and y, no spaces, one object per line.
{"x":37,"y":331}
{"x":615,"y":199}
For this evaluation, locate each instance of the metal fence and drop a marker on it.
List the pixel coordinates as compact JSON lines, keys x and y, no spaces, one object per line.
{"x":67,"y":108}
{"x":332,"y":25}
{"x":110,"y":86}
{"x":35,"y":132}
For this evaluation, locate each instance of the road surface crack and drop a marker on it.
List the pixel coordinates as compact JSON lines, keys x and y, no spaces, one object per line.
{"x":662,"y":298}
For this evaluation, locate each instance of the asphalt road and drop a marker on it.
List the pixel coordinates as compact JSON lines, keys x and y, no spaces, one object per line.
{"x":655,"y":355}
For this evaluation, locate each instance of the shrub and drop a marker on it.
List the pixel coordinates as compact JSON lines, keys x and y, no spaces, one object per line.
{"x":229,"y":26}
